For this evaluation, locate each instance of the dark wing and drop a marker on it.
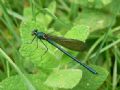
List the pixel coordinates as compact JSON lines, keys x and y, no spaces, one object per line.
{"x":69,"y":43}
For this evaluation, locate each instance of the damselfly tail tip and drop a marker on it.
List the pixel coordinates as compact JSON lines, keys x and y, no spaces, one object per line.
{"x":94,"y":72}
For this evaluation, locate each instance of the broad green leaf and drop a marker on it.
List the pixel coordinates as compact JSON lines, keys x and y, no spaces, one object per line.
{"x":91,"y":81}
{"x":94,"y":19}
{"x":16,"y":83}
{"x":105,"y":2}
{"x":78,"y":32}
{"x":68,"y":78}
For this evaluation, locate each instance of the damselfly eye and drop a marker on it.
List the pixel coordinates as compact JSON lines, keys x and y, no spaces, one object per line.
{"x":34,"y":32}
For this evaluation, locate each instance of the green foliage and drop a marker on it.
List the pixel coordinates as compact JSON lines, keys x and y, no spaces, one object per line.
{"x":92,"y":82}
{"x":26,"y":28}
{"x":95,"y":19}
{"x":64,"y":78}
{"x":16,"y":83}
{"x":49,"y":62}
{"x":79,"y":32}
{"x":94,"y":22}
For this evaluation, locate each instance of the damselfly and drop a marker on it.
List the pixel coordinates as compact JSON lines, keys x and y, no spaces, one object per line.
{"x":54,"y":40}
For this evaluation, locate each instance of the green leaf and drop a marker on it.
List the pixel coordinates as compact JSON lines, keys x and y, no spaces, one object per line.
{"x":95,"y":19}
{"x":105,"y":2}
{"x":92,"y":81}
{"x":64,"y":78}
{"x":78,"y":32}
{"x":16,"y":83}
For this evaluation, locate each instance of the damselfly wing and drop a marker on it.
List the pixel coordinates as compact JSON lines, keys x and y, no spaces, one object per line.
{"x":71,"y":44}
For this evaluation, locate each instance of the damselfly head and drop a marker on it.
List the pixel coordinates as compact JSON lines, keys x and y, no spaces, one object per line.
{"x":34,"y":32}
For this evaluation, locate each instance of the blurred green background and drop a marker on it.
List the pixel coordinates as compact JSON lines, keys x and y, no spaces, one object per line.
{"x":101,"y":16}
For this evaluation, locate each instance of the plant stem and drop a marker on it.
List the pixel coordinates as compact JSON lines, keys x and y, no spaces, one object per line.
{"x":27,"y":82}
